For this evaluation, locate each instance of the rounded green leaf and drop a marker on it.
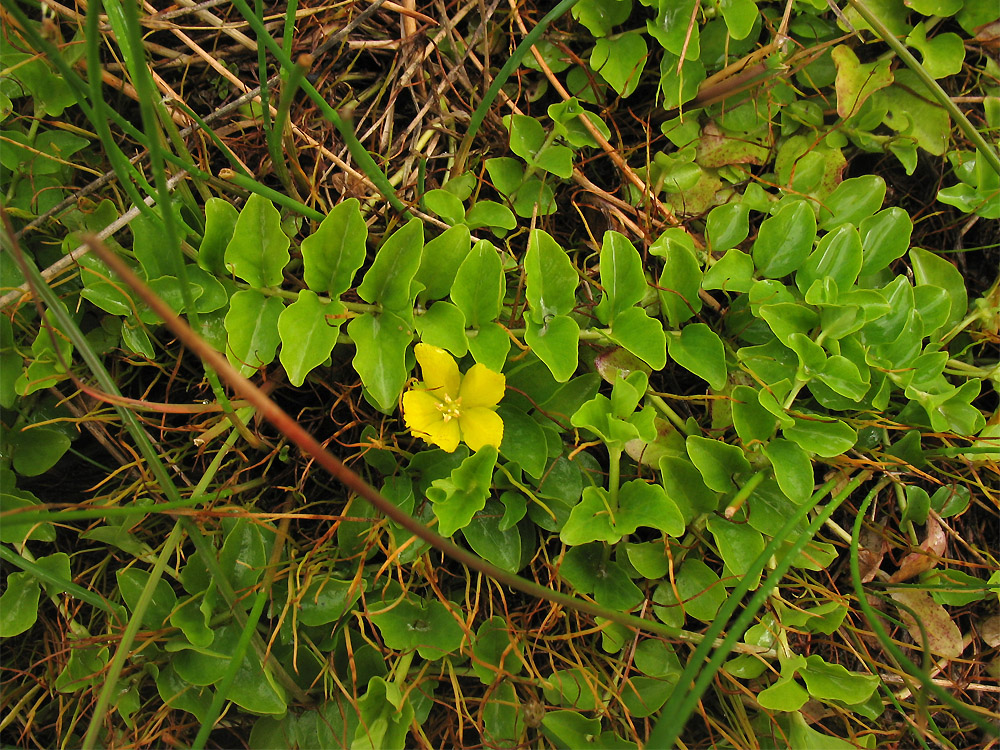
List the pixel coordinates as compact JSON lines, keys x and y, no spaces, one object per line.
{"x":258,"y":250}
{"x":220,"y":224}
{"x":884,"y":237}
{"x":853,"y":201}
{"x":18,"y":604}
{"x":619,"y":60}
{"x":556,"y":343}
{"x":785,"y":240}
{"x":440,"y":261}
{"x":38,"y":449}
{"x":826,"y":438}
{"x":699,"y":349}
{"x":837,"y":257}
{"x":389,"y":281}
{"x":701,"y":594}
{"x":739,"y":544}
{"x":753,"y":422}
{"x":335,"y":251}
{"x":721,"y":465}
{"x":381,"y":342}
{"x":252,"y":324}
{"x":308,"y":329}
{"x":479,"y":285}
{"x":792,"y":469}
{"x":327,"y":600}
{"x":550,"y":278}
{"x":727,"y":225}
{"x":426,"y":626}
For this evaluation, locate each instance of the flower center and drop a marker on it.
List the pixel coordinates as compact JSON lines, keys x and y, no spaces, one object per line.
{"x":450,"y":408}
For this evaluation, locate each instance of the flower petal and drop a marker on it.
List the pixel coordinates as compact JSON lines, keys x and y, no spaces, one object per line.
{"x":421,"y":410}
{"x":482,"y":387}
{"x":443,"y":434}
{"x":423,"y":416}
{"x":481,"y":426}
{"x":439,"y":369}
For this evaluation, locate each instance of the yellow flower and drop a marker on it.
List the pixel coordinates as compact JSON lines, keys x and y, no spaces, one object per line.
{"x":449,"y":408}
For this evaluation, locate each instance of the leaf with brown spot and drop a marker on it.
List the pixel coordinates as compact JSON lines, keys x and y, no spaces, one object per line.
{"x":943,"y":636}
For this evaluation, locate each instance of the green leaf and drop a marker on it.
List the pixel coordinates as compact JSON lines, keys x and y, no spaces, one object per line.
{"x":335,"y":251}
{"x":733,"y":272}
{"x":381,"y":342}
{"x":479,"y":285}
{"x":833,"y":682}
{"x":566,"y":116}
{"x":523,"y":440}
{"x":502,"y":547}
{"x":11,"y":530}
{"x":729,"y":224}
{"x":528,"y":140}
{"x":244,"y":555}
{"x":308,"y":330}
{"x":701,"y":594}
{"x":569,"y":730}
{"x":490,"y":214}
{"x":220,"y":224}
{"x":856,"y":81}
{"x":550,"y":278}
{"x":825,"y":438}
{"x":443,"y":325}
{"x":590,"y":520}
{"x":684,"y":486}
{"x":721,"y":465}
{"x":853,"y":201}
{"x":644,"y":504}
{"x":792,"y":469}
{"x":739,"y":545}
{"x":502,"y":717}
{"x":943,"y":54}
{"x":440,"y":261}
{"x":884,"y":237}
{"x":649,"y":558}
{"x":426,"y":626}
{"x":698,"y":349}
{"x":327,"y":600}
{"x":752,"y":421}
{"x":252,"y":325}
{"x":556,"y":343}
{"x":681,"y":278}
{"x":495,"y":648}
{"x":258,"y":251}
{"x":785,"y":240}
{"x":18,"y":604}
{"x":619,"y":60}
{"x":837,"y":257}
{"x":389,"y":281}
{"x":37,"y":449}
{"x":787,"y":319}
{"x":459,"y":497}
{"x":914,"y":112}
{"x":445,"y":204}
{"x":934,"y":270}
{"x":673,"y":30}
{"x":784,"y":695}
{"x":621,"y":277}
{"x":642,"y":335}
{"x":600,"y":16}
{"x":740,"y":16}
{"x":489,"y":345}
{"x":132,"y":582}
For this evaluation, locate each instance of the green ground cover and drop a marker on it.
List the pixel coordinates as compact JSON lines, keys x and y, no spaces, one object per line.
{"x":613,"y":374}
